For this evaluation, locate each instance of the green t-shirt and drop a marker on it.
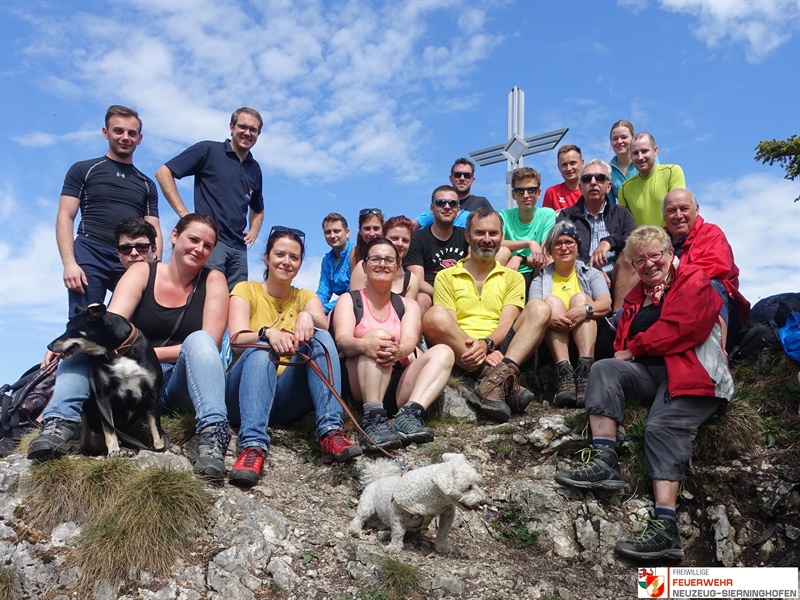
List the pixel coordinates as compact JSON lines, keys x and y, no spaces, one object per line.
{"x":515,"y":230}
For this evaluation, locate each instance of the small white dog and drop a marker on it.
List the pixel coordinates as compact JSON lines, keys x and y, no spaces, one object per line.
{"x":408,"y":502}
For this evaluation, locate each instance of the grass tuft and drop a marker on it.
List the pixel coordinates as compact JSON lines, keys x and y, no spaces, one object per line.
{"x":180,"y":427}
{"x":144,"y":527}
{"x":398,"y":579}
{"x":7,"y":591}
{"x":734,"y":431}
{"x":511,"y":526}
{"x":73,"y":490}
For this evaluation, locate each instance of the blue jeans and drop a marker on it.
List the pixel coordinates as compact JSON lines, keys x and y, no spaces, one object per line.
{"x":255,"y":394}
{"x":196,"y":382}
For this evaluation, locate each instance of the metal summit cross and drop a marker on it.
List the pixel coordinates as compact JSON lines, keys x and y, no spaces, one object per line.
{"x":517,"y":146}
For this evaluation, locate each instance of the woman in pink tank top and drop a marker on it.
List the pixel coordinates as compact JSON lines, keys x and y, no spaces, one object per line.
{"x":382,"y":368}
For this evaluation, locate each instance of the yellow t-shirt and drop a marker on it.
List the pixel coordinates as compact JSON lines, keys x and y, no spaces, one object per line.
{"x":566,"y":287}
{"x":273,"y":312}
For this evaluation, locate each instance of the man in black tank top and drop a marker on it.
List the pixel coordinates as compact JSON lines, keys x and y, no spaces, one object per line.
{"x":106,"y":190}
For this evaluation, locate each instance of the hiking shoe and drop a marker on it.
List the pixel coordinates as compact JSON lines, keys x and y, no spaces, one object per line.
{"x":247,"y":469}
{"x":408,"y":424}
{"x":581,"y":379}
{"x":600,"y":470}
{"x":379,"y":434}
{"x":335,"y":447}
{"x":565,"y":387}
{"x":57,"y":438}
{"x":660,"y":539}
{"x":520,"y":397}
{"x":211,"y":449}
{"x":492,"y":391}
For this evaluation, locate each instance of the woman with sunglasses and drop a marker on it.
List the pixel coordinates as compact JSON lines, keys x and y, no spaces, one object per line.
{"x":381,"y":366}
{"x":669,"y":354}
{"x":258,"y":391}
{"x":577,"y":295}
{"x":180,"y":306}
{"x":370,"y":226}
{"x":399,"y":230}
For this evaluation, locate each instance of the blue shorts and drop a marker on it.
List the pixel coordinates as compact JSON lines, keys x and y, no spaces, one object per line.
{"x":102,"y":268}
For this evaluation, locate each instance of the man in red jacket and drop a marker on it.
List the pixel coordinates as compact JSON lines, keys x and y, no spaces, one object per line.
{"x":704,"y":245}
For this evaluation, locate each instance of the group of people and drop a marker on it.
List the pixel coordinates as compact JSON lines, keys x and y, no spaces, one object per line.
{"x":617,"y":246}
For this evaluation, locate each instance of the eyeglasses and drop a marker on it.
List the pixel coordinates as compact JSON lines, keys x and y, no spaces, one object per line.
{"x":600,"y":177}
{"x":461,"y":175}
{"x":376,"y":260}
{"x":279,"y":229}
{"x":449,"y":203}
{"x":529,"y":191}
{"x":126,"y":249}
{"x":565,"y":244}
{"x":652,"y":257}
{"x":370,"y":211}
{"x":245,"y":128}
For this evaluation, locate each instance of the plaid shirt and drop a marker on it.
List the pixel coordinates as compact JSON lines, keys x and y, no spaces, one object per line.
{"x":598,"y":230}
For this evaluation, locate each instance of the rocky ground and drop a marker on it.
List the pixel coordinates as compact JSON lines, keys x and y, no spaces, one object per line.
{"x":287,"y":537}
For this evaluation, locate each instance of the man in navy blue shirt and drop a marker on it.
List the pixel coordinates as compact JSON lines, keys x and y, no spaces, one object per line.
{"x":107,"y":190}
{"x":227,"y":181}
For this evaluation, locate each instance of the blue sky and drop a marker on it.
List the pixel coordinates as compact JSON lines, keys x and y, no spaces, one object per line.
{"x":368,"y":104}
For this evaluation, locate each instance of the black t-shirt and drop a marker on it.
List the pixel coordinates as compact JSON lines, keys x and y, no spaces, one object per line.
{"x":432,"y":254}
{"x":473,"y":202}
{"x":109,"y":191}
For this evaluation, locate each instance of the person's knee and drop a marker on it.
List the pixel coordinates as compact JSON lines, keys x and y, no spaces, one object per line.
{"x":443,"y":356}
{"x":436,"y":321}
{"x":425,"y":302}
{"x":579,"y":300}
{"x":536,"y":311}
{"x":555,"y":304}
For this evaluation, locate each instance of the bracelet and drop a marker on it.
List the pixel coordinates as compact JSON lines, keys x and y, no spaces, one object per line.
{"x":262,"y":334}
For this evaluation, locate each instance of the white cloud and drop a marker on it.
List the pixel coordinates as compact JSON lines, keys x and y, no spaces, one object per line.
{"x":761,"y":25}
{"x":42,"y":140}
{"x":762,"y":224}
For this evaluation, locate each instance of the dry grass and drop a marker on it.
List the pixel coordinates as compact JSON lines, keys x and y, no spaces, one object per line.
{"x":7,"y":584}
{"x":734,"y":431}
{"x":132,"y":519}
{"x":398,"y":579}
{"x":180,"y":427}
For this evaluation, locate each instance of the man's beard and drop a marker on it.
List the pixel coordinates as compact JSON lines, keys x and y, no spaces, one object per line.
{"x":485,"y":252}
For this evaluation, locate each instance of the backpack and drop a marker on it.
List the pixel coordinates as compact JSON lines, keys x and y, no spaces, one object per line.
{"x":766,"y":318}
{"x":23,"y":402}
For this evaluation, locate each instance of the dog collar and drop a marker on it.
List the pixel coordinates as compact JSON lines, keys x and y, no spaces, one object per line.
{"x":124,"y":346}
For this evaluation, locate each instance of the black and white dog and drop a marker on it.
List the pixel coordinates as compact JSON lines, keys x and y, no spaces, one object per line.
{"x":125,"y":374}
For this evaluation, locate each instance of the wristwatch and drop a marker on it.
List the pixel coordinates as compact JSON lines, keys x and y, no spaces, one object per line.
{"x":262,"y":334}
{"x":590,"y":310}
{"x":490,"y":347}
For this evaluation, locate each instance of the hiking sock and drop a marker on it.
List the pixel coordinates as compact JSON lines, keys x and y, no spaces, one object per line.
{"x":508,"y":361}
{"x":598,"y":441}
{"x":415,"y":406}
{"x":664,"y":511}
{"x":371,"y":407}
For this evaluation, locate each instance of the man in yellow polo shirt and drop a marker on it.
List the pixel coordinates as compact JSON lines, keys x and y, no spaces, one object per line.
{"x":479,"y":311}
{"x":643,"y":194}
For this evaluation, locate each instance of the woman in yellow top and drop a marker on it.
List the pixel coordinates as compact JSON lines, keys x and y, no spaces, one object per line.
{"x":256,"y":389}
{"x":577,"y":295}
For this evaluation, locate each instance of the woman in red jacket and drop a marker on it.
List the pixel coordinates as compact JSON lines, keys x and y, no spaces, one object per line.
{"x":668,"y":352}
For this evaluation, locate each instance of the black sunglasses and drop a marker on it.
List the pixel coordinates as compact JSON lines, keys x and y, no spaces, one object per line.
{"x":278,"y":229}
{"x":600,"y":177}
{"x":530,"y":191}
{"x":461,"y":175}
{"x":128,"y":248}
{"x":370,"y":211}
{"x":450,"y":203}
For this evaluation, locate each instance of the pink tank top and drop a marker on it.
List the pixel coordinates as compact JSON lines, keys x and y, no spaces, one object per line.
{"x":369,"y":322}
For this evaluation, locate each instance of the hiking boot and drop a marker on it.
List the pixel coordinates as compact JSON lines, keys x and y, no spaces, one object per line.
{"x":581,"y":379}
{"x":659,"y":540}
{"x":600,"y":470}
{"x":408,"y":424}
{"x":520,"y":397}
{"x":565,"y":387}
{"x":492,"y":391}
{"x":335,"y":447}
{"x":379,"y":434}
{"x":211,"y":449}
{"x":247,"y":469}
{"x":57,"y":438}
